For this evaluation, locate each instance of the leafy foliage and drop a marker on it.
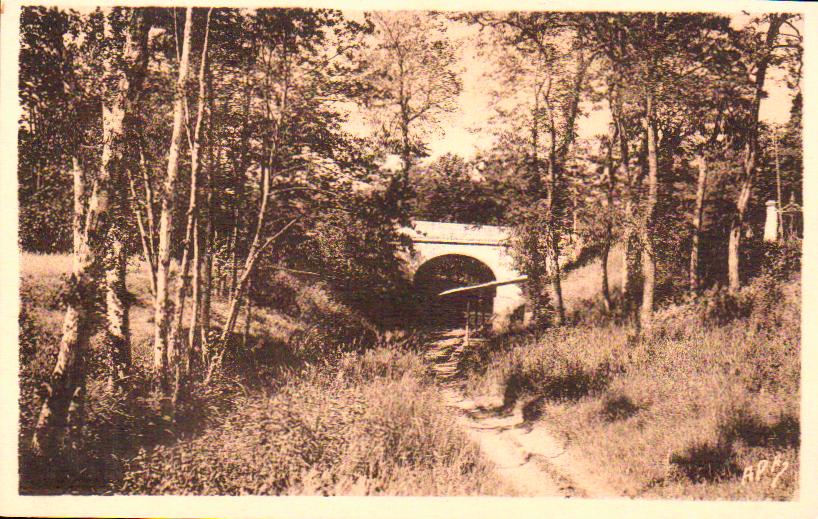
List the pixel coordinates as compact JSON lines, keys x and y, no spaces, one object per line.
{"x":451,"y":189}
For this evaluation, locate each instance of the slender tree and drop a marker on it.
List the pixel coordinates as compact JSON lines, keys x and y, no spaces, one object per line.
{"x":608,"y":237}
{"x":412,"y":81}
{"x":117,"y":297}
{"x":122,"y":79}
{"x":762,"y":58}
{"x":180,"y":346}
{"x":698,"y":211}
{"x":531,"y":50}
{"x":164,"y":351}
{"x":647,"y":228}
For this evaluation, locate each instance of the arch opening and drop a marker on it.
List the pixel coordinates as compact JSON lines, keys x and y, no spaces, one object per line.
{"x":448,"y":271}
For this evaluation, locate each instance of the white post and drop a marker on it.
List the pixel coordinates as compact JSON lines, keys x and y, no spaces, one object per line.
{"x":771,"y":223}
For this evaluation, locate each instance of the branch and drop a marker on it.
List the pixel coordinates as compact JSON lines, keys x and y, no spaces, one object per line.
{"x":317,"y":190}
{"x":145,"y":239}
{"x":274,"y":237}
{"x":148,"y":194}
{"x":296,"y":271}
{"x":793,"y":27}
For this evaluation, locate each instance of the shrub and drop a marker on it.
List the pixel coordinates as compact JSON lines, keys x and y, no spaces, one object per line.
{"x":781,"y":259}
{"x":261,"y":449}
{"x":327,"y":328}
{"x":748,"y":427}
{"x":555,"y":365}
{"x":705,"y":461}
{"x":718,"y":306}
{"x":618,"y":407}
{"x":397,"y":434}
{"x":385,"y":363}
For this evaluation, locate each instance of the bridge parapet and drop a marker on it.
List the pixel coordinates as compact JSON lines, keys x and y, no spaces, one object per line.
{"x":444,"y":232}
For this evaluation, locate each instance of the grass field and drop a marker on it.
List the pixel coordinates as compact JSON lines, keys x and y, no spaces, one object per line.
{"x":297,"y":413}
{"x":691,"y":410}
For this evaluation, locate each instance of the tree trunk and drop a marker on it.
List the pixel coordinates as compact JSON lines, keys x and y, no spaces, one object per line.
{"x":78,"y":219}
{"x":117,"y":308}
{"x":607,"y":239}
{"x":736,"y":227}
{"x":117,"y":300}
{"x":698,"y":211}
{"x":162,"y":356}
{"x":234,"y":257}
{"x":207,"y":288}
{"x":64,"y":390}
{"x":631,"y":271}
{"x":249,"y":265}
{"x":556,"y":280}
{"x":256,"y":246}
{"x":750,"y":156}
{"x":248,"y":317}
{"x":606,"y":287}
{"x":145,"y":237}
{"x":647,"y":228}
{"x":631,"y":261}
{"x":553,"y":234}
{"x":208,"y":238}
{"x":147,"y":229}
{"x":180,"y":350}
{"x":194,"y":332}
{"x":406,"y":152}
{"x":63,"y":394}
{"x":558,"y":158}
{"x":632,"y":258}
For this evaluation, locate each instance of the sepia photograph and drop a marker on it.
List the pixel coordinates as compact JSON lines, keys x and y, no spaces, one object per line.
{"x":319,"y":251}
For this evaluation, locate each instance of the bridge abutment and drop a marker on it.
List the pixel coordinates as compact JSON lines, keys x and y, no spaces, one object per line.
{"x":484,"y":243}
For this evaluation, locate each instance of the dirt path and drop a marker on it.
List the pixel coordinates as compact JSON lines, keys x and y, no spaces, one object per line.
{"x":528,"y":457}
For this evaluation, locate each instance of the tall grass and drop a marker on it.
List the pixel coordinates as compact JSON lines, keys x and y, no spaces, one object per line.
{"x":584,"y":283}
{"x":371,"y":425}
{"x":681,"y":412}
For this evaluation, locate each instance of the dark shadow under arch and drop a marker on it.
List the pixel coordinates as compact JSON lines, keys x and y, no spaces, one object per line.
{"x":452,"y":271}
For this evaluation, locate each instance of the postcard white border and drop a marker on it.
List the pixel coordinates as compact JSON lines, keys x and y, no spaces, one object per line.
{"x":410,"y":507}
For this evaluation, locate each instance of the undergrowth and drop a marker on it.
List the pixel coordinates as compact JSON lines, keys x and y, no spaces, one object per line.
{"x":689,"y":409}
{"x":369,"y":425}
{"x":312,"y":400}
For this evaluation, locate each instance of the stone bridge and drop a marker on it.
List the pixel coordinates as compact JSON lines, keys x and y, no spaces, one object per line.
{"x":486,"y":244}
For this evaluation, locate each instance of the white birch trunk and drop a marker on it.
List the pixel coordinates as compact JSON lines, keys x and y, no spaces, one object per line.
{"x":118,"y":326}
{"x":63,"y":393}
{"x":162,"y":354}
{"x":179,"y":356}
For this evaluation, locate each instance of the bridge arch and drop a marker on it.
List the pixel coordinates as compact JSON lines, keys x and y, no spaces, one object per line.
{"x":484,"y":243}
{"x":450,"y":271}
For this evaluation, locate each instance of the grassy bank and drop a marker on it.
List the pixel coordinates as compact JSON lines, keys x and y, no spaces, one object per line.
{"x":309,"y":404}
{"x":369,"y":426}
{"x":709,"y":393}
